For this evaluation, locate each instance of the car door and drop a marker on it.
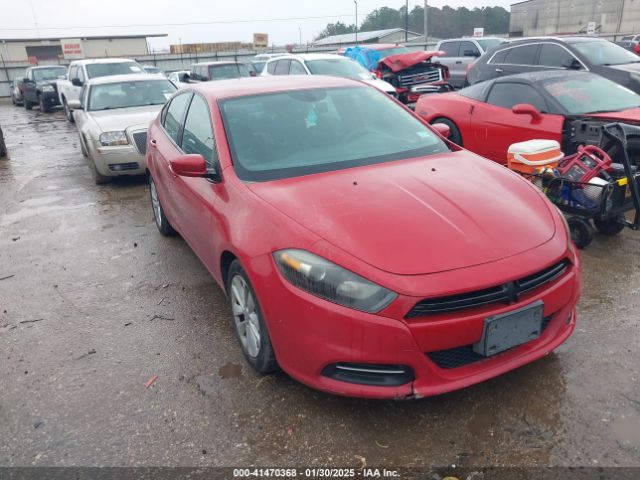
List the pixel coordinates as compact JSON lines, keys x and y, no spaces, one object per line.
{"x":468,"y":54}
{"x":195,"y":198}
{"x":75,"y":72}
{"x":30,"y":88}
{"x":495,"y":126}
{"x":552,"y":55}
{"x":165,"y":146}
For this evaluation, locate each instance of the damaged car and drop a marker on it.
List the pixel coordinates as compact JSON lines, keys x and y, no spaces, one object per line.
{"x":412,"y":73}
{"x":570,"y":108}
{"x":361,"y":251}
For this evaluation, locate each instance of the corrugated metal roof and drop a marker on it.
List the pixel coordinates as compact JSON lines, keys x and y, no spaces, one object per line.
{"x":362,"y":37}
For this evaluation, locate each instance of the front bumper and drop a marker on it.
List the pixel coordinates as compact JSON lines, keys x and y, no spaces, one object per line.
{"x":118,"y":160}
{"x":50,"y":99}
{"x":311,"y":336}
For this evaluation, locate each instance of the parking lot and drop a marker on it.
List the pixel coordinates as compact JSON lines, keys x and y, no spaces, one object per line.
{"x":94,"y":303}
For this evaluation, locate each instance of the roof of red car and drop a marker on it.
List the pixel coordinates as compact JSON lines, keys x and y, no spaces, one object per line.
{"x":242,"y":87}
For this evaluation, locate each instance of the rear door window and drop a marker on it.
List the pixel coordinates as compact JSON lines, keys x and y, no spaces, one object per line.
{"x":282,"y":67}
{"x":271,"y":68}
{"x":174,"y":116}
{"x":450,"y":49}
{"x":296,"y":68}
{"x":524,"y":55}
{"x":554,"y":56}
{"x":506,"y":95}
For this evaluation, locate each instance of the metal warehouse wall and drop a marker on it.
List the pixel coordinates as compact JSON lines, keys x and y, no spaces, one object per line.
{"x":549,"y":17}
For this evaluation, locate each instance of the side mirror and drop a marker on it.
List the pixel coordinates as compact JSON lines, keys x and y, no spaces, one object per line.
{"x":25,"y":80}
{"x":471,"y":53}
{"x":74,"y":104}
{"x":526,"y":109}
{"x":572,"y":64}
{"x":184,"y":78}
{"x":443,"y":129}
{"x":192,"y":165}
{"x":76,"y":82}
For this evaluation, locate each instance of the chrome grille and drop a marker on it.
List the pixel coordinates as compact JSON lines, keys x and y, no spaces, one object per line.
{"x":140,"y":139}
{"x":408,"y":80}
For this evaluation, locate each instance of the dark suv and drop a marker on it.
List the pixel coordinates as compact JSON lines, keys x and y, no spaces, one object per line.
{"x":40,"y":87}
{"x":571,"y":53}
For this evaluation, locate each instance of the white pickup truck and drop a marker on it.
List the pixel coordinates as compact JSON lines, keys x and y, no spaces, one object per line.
{"x":82,"y":70}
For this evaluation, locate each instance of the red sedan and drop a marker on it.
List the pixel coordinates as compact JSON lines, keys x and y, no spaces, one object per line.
{"x":557,"y":105}
{"x":361,"y":252}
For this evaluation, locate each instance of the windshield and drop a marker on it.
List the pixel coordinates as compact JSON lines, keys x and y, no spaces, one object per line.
{"x":339,"y":67}
{"x":95,"y":70}
{"x":130,"y":94}
{"x":387,"y":52}
{"x":231,"y":70}
{"x":604,"y":53}
{"x":44,"y":74}
{"x":301,"y":132}
{"x":580,"y":94}
{"x":487,"y":43}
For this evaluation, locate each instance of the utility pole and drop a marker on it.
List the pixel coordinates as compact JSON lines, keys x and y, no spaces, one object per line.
{"x":406,"y":21}
{"x":354,"y":1}
{"x":426,"y":33}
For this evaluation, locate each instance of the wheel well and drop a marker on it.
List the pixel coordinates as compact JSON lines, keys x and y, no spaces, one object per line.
{"x":225,"y":262}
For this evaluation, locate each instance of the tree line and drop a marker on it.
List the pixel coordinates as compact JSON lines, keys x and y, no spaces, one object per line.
{"x":446,"y":22}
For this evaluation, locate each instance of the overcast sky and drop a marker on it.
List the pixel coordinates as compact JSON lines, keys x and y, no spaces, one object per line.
{"x":283,"y":20}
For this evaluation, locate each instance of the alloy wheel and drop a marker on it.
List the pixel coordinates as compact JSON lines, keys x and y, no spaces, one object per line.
{"x":245,"y":316}
{"x":155,"y":203}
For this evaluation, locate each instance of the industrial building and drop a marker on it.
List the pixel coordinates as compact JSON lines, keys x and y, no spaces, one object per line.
{"x":391,"y":35}
{"x":557,"y":17}
{"x":52,"y":50}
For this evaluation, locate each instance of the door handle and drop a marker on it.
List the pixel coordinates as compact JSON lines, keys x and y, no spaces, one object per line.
{"x":458,"y":62}
{"x":499,"y":70}
{"x":153,"y":143}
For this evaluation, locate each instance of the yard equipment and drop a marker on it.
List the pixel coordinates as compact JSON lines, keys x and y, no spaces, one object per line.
{"x":586,"y":186}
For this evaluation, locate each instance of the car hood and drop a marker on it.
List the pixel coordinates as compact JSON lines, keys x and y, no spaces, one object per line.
{"x":402,"y":61}
{"x":627,"y":67}
{"x":123,"y":118}
{"x":418,"y":216}
{"x":381,"y":85}
{"x":630,"y":115}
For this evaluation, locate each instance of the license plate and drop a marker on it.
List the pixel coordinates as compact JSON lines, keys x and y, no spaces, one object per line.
{"x":508,"y":330}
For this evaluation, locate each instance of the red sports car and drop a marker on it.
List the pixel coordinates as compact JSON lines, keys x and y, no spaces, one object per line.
{"x":361,"y":252}
{"x":569,"y":107}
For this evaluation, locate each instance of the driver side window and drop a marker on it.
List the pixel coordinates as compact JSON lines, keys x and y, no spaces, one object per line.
{"x":197,"y":136}
{"x":506,"y":95}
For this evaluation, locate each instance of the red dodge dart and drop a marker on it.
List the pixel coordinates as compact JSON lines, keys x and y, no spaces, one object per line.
{"x":361,"y":252}
{"x":569,"y":107}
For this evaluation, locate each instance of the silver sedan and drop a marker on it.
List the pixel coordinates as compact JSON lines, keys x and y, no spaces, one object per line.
{"x":112,"y":117}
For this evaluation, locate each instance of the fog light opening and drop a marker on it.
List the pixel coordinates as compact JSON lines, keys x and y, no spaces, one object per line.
{"x":370,"y":374}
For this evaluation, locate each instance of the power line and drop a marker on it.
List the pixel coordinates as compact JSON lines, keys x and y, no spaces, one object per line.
{"x":218,"y":22}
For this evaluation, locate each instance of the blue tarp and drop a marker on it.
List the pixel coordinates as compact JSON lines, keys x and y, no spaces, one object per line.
{"x":364,"y":56}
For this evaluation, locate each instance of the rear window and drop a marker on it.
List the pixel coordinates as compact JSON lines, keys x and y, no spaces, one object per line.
{"x":301,"y":132}
{"x":450,"y":48}
{"x":232,"y":70}
{"x":487,"y":43}
{"x":95,"y":70}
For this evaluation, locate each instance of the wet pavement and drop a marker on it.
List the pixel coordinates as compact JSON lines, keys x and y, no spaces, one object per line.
{"x":97,"y":303}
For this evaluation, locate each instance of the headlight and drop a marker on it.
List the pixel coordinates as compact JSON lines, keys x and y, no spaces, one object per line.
{"x":331,"y":282}
{"x":110,"y":139}
{"x":47,"y":88}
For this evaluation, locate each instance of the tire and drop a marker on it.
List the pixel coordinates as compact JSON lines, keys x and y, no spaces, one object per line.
{"x":454,"y":134}
{"x":13,"y":100}
{"x":164,"y":227}
{"x":3,"y":147}
{"x":27,"y":104}
{"x":248,"y":321}
{"x":83,"y":148}
{"x":43,"y":107}
{"x":610,"y":227}
{"x":98,"y":178}
{"x":581,"y":231}
{"x":67,"y":111}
